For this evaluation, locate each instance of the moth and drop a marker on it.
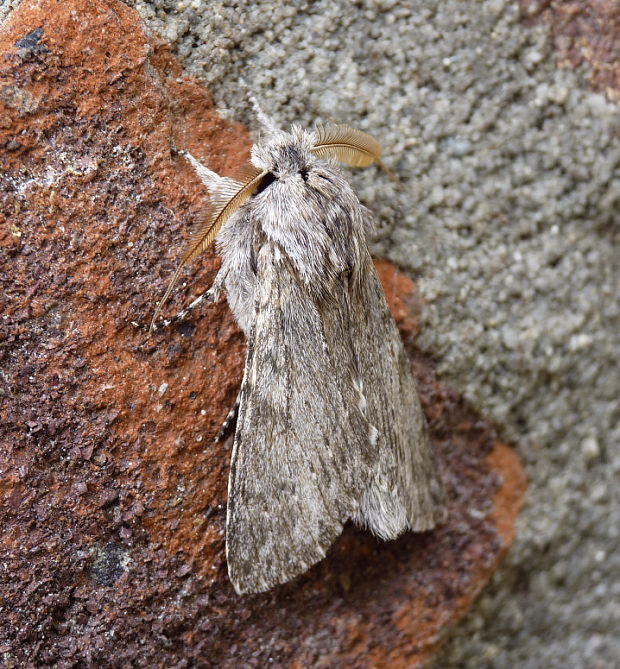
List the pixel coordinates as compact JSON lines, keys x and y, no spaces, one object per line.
{"x":329,"y":426}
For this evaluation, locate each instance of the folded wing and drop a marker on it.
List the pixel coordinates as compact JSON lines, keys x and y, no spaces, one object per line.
{"x":303,"y":448}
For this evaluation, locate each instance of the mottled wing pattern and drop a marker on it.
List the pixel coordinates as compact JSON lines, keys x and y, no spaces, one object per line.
{"x":301,"y":461}
{"x":406,"y":491}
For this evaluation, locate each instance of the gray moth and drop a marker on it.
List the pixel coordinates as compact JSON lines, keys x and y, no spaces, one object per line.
{"x":329,"y":426}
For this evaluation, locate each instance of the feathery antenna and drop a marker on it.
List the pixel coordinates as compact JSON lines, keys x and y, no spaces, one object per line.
{"x":224,"y":203}
{"x":350,"y":146}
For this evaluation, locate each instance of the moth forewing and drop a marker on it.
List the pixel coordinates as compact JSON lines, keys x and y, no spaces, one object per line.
{"x":300,"y":463}
{"x":330,"y":427}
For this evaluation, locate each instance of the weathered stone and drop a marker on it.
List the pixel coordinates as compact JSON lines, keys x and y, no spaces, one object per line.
{"x":584,"y":31}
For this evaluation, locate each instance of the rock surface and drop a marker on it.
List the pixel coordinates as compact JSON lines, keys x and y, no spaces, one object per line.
{"x":584,"y":31}
{"x":508,"y":220}
{"x":113,"y":492}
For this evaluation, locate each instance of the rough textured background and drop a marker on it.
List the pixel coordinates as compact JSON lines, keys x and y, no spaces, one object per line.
{"x":509,"y":219}
{"x":583,"y":32}
{"x":112,"y":491}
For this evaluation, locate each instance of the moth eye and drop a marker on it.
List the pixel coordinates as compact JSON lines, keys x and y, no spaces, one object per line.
{"x":265,"y":182}
{"x":304,"y":174}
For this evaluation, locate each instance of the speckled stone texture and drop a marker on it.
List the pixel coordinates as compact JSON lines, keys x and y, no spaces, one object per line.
{"x":584,"y":32}
{"x":112,"y":490}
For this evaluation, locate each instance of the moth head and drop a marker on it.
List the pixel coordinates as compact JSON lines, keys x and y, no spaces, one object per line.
{"x":285,"y":155}
{"x":289,"y":154}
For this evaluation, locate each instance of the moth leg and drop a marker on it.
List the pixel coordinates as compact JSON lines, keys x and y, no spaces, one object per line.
{"x":230,"y":418}
{"x":210,"y":295}
{"x":207,"y":296}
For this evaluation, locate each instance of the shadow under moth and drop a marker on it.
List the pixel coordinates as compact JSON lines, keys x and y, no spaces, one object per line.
{"x":329,"y":425}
